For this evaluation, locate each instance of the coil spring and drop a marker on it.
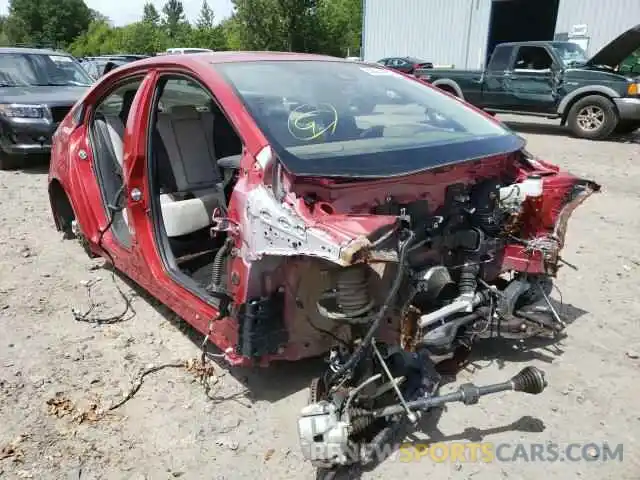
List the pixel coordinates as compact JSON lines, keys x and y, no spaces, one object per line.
{"x":468,"y":282}
{"x":352,"y":290}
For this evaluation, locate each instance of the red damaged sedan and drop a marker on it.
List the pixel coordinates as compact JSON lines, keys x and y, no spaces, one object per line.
{"x":306,"y":205}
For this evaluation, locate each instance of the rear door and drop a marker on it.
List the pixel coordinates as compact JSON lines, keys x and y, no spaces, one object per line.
{"x":109,"y":123}
{"x":495,"y":85}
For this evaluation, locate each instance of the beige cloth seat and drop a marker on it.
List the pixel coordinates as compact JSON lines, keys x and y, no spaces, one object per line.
{"x":188,"y":140}
{"x":187,"y":135}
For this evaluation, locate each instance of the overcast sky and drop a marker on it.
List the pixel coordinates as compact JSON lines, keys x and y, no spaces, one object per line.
{"x":122,"y":12}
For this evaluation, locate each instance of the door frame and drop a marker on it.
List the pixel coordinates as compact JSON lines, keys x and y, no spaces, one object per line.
{"x":122,"y":237}
{"x":139,"y":166}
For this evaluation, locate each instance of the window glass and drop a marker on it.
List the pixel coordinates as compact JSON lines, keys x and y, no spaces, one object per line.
{"x":18,"y":69}
{"x":184,"y":92}
{"x":501,"y":59}
{"x":325,"y":109}
{"x":533,"y":58}
{"x":118,"y":103}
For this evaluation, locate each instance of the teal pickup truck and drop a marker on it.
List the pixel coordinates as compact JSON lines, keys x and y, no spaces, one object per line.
{"x":594,"y":97}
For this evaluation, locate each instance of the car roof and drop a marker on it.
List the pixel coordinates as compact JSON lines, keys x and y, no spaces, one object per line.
{"x":235,"y":56}
{"x":32,"y":51}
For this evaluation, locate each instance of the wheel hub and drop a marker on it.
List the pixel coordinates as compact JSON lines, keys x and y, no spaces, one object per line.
{"x":591,"y":118}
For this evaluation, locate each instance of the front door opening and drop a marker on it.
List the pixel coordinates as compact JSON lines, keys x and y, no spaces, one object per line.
{"x":521,"y":21}
{"x":193,"y":161}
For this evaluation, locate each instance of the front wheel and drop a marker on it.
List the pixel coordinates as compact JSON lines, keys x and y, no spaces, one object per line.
{"x":593,"y":117}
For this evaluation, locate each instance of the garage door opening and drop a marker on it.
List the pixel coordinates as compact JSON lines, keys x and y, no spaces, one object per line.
{"x":521,"y":21}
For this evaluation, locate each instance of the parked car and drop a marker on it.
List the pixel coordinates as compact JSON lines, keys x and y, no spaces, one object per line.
{"x":594,"y":97}
{"x":253,"y":198}
{"x":405,"y":64}
{"x":103,"y":64}
{"x":37,"y":89}
{"x":170,"y":51}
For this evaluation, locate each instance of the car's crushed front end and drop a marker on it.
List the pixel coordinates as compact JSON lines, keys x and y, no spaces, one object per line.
{"x":395,"y":276}
{"x":393,"y":237}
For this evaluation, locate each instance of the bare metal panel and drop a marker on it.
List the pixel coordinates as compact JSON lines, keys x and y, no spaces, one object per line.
{"x":440,"y":31}
{"x":605,"y":20}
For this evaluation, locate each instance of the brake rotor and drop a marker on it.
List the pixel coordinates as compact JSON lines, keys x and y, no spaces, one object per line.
{"x":317,"y":390}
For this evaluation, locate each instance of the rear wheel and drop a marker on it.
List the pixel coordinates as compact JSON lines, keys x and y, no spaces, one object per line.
{"x":593,"y":117}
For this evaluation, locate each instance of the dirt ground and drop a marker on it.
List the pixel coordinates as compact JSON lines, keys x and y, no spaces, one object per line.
{"x":55,"y":371}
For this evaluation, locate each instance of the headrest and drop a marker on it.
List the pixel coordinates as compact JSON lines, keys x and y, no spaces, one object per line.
{"x":184,"y":112}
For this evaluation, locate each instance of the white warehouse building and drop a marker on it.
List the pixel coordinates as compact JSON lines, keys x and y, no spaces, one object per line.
{"x":463,"y":33}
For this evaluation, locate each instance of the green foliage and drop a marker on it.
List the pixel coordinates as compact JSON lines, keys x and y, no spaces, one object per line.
{"x":150,"y":14}
{"x":174,"y":18}
{"x":55,"y":22}
{"x":320,"y":26}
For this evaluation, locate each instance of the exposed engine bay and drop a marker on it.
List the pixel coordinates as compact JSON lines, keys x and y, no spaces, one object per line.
{"x":393,"y":287}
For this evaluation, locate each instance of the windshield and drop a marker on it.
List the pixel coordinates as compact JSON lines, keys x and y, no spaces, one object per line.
{"x":323,"y":110}
{"x":570,"y":53}
{"x":20,"y":69}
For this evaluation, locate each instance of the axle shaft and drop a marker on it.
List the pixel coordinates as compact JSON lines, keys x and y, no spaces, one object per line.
{"x":529,"y":380}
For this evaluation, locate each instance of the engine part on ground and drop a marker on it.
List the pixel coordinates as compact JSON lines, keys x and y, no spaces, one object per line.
{"x":529,"y":380}
{"x":411,"y":416}
{"x":324,"y":439}
{"x":327,"y":435}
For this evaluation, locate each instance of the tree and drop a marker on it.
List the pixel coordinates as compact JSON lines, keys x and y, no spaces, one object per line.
{"x":96,"y":16}
{"x":150,"y":14}
{"x":206,"y":17}
{"x":340,"y":25}
{"x":174,"y":17}
{"x":259,"y":24}
{"x":57,"y":22}
{"x":207,"y":34}
{"x":143,"y":37}
{"x":231,"y":30}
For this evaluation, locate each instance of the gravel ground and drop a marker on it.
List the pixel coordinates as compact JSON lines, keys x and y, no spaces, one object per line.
{"x":55,"y":371}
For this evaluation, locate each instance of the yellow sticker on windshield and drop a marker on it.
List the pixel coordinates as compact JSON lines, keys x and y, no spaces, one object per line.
{"x":307,"y":123}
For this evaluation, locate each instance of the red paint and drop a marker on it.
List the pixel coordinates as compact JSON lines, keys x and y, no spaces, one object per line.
{"x":343,"y":211}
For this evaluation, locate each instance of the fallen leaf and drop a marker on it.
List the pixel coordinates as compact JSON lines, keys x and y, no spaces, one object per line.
{"x":269,"y":453}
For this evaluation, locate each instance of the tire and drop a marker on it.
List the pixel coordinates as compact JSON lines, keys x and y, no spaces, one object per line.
{"x":627,"y":126}
{"x":593,"y":117}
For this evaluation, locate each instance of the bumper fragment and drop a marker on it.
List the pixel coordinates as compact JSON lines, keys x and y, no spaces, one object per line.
{"x":628,"y":108}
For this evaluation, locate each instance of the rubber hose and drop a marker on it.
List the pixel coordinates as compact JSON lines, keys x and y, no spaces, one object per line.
{"x":218,"y":264}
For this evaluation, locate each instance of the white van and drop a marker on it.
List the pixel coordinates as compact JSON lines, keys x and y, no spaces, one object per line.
{"x":170,"y":51}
